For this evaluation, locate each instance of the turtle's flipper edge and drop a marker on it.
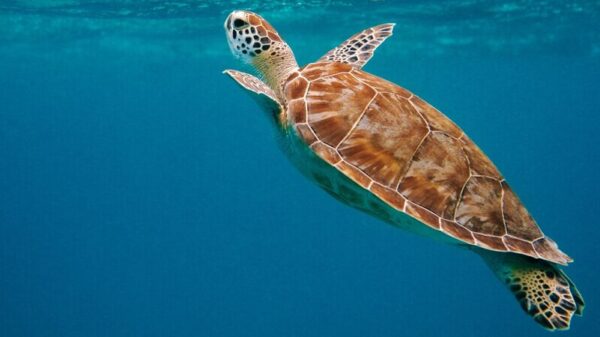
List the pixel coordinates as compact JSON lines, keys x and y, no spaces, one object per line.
{"x":541,"y":288}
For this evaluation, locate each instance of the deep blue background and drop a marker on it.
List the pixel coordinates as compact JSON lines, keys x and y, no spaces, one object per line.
{"x":142,"y":192}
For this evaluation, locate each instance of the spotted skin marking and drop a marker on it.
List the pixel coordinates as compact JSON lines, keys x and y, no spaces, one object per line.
{"x":251,"y":35}
{"x":545,"y":293}
{"x":359,"y":48}
{"x":252,"y":39}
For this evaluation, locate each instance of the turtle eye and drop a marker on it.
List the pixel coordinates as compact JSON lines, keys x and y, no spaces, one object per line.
{"x":239,"y":23}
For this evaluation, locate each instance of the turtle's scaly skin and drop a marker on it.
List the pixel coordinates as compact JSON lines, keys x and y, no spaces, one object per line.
{"x":407,"y":153}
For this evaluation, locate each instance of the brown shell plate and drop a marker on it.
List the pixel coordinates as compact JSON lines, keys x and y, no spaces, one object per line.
{"x":411,"y":156}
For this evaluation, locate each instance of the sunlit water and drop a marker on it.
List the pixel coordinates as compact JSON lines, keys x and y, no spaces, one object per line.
{"x":142,"y":192}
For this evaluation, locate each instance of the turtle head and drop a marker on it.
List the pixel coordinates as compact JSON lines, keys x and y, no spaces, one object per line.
{"x":250,"y":36}
{"x":252,"y":39}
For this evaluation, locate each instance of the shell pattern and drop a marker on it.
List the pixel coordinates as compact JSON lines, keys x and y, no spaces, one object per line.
{"x":411,"y":156}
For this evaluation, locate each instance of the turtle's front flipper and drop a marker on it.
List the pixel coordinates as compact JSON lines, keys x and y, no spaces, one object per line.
{"x":542,"y":289}
{"x":359,"y":48}
{"x":260,"y":91}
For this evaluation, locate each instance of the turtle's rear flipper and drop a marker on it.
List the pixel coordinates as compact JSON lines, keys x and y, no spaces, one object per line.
{"x":541,"y":288}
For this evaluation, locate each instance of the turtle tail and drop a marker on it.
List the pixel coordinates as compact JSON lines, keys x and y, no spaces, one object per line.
{"x":542,"y":289}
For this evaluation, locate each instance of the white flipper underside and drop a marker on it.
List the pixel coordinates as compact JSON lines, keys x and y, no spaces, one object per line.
{"x":258,"y":90}
{"x":251,"y":83}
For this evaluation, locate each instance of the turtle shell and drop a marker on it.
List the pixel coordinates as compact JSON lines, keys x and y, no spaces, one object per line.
{"x":412,"y":157}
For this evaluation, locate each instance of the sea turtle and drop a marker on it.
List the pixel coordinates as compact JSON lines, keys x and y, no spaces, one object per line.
{"x":381,"y":149}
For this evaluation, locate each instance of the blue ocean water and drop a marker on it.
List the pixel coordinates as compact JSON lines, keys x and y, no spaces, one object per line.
{"x":142,"y":192}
